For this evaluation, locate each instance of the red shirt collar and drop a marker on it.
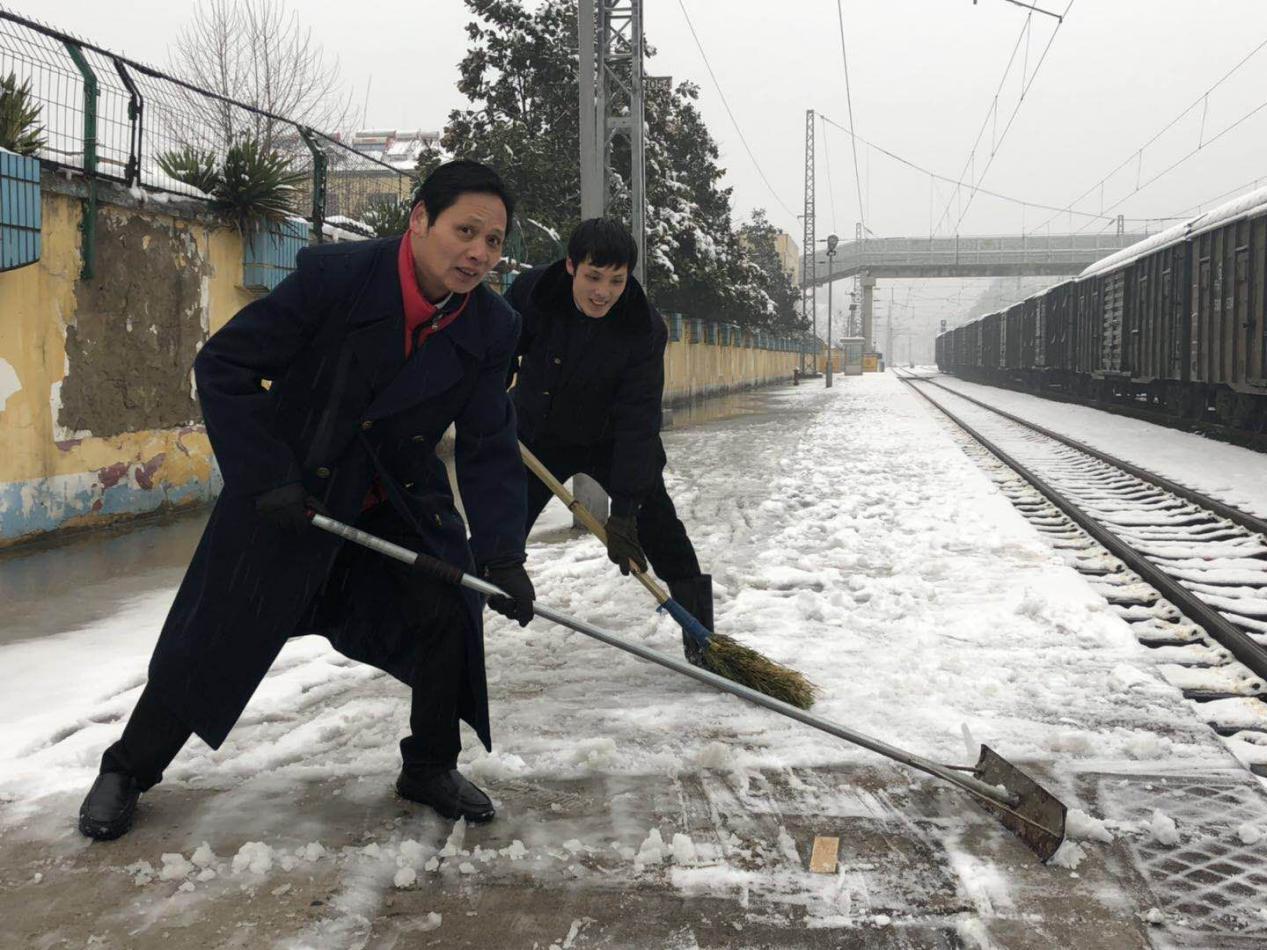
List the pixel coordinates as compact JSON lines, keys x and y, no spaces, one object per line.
{"x":419,"y":311}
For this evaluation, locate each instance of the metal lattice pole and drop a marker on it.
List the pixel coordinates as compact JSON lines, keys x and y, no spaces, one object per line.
{"x":809,"y":272}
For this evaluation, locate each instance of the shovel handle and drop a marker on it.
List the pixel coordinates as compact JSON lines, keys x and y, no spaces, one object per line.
{"x":584,"y":516}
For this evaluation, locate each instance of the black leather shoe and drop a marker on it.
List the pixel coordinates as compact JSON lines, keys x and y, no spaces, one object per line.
{"x":448,"y":792}
{"x":107,"y":811}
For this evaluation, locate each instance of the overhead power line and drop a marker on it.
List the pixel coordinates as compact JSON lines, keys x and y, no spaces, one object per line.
{"x":729,"y":112}
{"x":1012,"y":118}
{"x":985,"y":191}
{"x":844,"y":56}
{"x":1136,"y":154}
{"x":992,"y":111}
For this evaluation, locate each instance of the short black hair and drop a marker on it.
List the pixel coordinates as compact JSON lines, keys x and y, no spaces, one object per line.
{"x":603,"y":242}
{"x":453,"y":179}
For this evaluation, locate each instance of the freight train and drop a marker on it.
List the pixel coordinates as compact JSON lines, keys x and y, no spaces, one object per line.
{"x":1177,"y":321}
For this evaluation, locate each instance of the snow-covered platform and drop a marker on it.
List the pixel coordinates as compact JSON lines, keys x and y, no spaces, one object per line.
{"x":851,"y":538}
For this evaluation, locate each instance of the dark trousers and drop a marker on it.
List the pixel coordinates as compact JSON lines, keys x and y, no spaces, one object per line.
{"x":153,"y":735}
{"x":660,"y":532}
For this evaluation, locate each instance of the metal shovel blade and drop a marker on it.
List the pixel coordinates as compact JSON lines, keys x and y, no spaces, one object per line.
{"x":1037,"y":817}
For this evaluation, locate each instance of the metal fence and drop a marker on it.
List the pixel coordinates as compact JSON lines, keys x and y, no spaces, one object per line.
{"x":110,"y":117}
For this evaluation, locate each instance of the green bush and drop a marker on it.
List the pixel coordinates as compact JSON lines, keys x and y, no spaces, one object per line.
{"x":254,"y":185}
{"x":20,"y":130}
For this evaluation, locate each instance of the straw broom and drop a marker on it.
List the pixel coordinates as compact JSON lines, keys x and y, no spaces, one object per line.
{"x":719,"y":654}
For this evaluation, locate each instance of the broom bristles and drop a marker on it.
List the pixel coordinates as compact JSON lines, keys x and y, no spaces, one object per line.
{"x":740,"y":664}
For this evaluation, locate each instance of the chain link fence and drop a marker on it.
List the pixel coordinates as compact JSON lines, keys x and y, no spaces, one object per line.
{"x":110,"y":117}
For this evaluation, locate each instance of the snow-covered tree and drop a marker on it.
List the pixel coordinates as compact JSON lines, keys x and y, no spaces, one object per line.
{"x":520,"y":74}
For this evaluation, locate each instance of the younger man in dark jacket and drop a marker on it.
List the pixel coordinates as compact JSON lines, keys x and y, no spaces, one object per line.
{"x":590,"y":379}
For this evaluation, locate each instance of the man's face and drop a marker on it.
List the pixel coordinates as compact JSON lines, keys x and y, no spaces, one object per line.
{"x":453,"y":253}
{"x":595,"y":289}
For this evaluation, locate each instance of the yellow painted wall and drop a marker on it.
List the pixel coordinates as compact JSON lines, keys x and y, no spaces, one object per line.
{"x":52,"y":479}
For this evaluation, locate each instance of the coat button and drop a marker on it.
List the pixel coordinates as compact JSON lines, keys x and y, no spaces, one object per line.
{"x":367,"y":424}
{"x":437,"y":517}
{"x":557,"y":361}
{"x":546,"y":393}
{"x":323,"y":472}
{"x":420,"y":438}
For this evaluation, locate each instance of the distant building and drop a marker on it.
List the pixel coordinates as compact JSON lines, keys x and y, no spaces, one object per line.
{"x":789,"y":254}
{"x":356,"y":183}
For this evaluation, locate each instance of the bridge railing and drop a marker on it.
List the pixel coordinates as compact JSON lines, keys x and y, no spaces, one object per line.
{"x":983,"y":250}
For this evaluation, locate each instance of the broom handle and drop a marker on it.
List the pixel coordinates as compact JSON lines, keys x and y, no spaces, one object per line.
{"x":584,"y":515}
{"x":444,"y":571}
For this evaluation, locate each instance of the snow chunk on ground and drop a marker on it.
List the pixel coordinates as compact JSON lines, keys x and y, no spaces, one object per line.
{"x":255,"y":857}
{"x":456,"y":837}
{"x":496,"y":766}
{"x":716,"y":755}
{"x":203,"y":856}
{"x":313,"y":851}
{"x":1163,"y":828}
{"x":683,"y":849}
{"x":142,"y":872}
{"x":1068,"y":855}
{"x":515,"y":850}
{"x":651,"y":851}
{"x":1080,"y":825}
{"x":405,"y":877}
{"x":1249,"y":833}
{"x":175,"y":868}
{"x":595,"y":753}
{"x":411,"y":854}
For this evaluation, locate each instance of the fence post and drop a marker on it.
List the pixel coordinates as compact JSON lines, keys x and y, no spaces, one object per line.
{"x":136,"y":109}
{"x":320,"y":166}
{"x":89,"y":226}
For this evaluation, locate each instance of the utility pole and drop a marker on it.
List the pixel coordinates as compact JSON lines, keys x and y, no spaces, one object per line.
{"x":888,"y":345}
{"x":809,"y":272}
{"x":610,"y":53}
{"x":832,"y":240}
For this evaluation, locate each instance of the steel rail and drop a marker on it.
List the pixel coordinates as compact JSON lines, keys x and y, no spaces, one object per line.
{"x":1222,"y":509}
{"x":1235,"y":640}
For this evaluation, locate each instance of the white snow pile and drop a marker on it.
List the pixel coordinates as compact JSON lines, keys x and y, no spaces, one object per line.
{"x":1163,"y":828}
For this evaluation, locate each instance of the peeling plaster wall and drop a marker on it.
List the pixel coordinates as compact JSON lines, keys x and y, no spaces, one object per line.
{"x":98,"y":420}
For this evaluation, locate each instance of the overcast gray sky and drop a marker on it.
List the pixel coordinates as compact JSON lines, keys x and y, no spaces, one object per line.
{"x":923,"y":73}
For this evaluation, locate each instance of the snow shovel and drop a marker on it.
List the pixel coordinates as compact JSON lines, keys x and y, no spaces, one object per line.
{"x":1024,"y":807}
{"x":719,"y":653}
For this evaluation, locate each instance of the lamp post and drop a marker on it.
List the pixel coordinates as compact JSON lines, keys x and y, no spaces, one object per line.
{"x":832,"y":241}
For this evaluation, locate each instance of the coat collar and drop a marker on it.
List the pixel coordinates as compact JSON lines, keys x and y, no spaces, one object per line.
{"x":377,"y":319}
{"x":552,"y":294}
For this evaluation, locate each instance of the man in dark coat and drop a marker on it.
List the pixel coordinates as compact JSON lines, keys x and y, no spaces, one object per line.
{"x":590,"y":378}
{"x":371,"y":351}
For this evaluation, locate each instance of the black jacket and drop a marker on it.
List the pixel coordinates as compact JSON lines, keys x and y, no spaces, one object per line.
{"x":591,"y":382}
{"x":344,"y":405}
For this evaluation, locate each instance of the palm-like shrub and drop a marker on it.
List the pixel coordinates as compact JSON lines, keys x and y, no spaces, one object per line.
{"x":20,"y":130}
{"x":387,"y":216}
{"x":255,"y":185}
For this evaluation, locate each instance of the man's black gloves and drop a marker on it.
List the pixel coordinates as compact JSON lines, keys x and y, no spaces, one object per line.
{"x":513,"y":579}
{"x":287,"y":507}
{"x":622,"y":543}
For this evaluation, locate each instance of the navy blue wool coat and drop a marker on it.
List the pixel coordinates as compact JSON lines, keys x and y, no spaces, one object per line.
{"x":343,"y":405}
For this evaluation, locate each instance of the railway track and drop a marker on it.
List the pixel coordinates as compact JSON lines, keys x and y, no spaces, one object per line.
{"x":1187,"y":572}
